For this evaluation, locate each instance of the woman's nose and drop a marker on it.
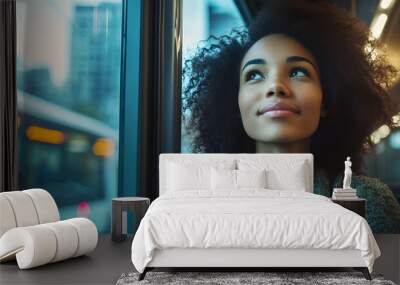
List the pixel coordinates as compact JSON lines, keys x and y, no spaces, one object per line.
{"x":278,"y":89}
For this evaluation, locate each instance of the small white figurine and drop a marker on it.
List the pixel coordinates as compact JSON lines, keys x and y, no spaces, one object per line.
{"x":347,"y":174}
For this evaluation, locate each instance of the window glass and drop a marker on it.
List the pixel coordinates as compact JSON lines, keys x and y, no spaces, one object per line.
{"x":383,"y":161}
{"x":68,"y":82}
{"x":201,"y":19}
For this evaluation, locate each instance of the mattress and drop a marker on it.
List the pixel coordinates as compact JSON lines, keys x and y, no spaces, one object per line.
{"x":250,"y":219}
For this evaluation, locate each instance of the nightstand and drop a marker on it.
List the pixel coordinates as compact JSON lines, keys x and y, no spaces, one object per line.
{"x":137,"y":205}
{"x":357,"y":205}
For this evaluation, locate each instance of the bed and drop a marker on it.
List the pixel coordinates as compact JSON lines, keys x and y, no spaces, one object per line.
{"x":246,"y":211}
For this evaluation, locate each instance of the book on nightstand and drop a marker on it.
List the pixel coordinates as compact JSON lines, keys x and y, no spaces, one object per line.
{"x":344,"y":194}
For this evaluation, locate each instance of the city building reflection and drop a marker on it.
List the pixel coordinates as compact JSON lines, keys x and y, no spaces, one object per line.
{"x":68,"y":81}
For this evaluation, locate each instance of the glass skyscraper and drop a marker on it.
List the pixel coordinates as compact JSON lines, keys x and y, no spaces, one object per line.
{"x":95,"y":61}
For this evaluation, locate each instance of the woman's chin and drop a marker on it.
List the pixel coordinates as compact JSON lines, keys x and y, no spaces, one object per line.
{"x":282,"y":138}
{"x":283,"y":144}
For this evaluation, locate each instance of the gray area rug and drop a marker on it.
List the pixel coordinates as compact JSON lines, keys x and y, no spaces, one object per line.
{"x":228,"y":278}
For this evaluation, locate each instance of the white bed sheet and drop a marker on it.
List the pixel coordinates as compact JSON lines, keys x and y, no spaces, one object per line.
{"x":251,"y":218}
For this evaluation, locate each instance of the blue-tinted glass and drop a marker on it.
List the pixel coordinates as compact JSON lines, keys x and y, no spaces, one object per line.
{"x":201,"y":19}
{"x":68,"y":81}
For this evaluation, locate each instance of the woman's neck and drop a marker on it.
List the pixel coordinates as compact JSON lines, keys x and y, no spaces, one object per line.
{"x":302,"y":146}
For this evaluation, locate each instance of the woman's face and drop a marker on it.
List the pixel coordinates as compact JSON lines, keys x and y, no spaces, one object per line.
{"x":280,"y":94}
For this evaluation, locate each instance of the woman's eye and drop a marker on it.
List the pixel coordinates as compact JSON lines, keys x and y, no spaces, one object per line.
{"x":299,"y":72}
{"x":254,"y":75}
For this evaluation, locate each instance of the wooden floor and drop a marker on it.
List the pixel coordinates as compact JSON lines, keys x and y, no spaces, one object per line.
{"x":102,"y":266}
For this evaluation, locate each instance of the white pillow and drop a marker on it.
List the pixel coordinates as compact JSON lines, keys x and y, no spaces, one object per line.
{"x":251,"y":178}
{"x":188,"y":177}
{"x":236,"y":179}
{"x":192,"y":174}
{"x":290,"y":175}
{"x":223,"y":179}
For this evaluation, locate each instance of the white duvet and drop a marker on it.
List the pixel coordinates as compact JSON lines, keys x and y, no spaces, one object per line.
{"x":250,"y":219}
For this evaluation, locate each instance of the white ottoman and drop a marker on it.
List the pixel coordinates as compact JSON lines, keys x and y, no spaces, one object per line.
{"x":31,"y":232}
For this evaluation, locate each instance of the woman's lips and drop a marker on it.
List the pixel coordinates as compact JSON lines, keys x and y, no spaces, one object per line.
{"x":278,"y":113}
{"x":277,"y":110}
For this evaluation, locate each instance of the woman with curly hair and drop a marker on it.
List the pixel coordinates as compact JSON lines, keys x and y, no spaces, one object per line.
{"x":304,"y":78}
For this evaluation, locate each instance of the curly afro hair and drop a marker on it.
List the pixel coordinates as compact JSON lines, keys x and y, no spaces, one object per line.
{"x":354,"y":82}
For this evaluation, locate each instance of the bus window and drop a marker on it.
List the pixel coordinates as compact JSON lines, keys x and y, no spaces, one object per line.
{"x":68,"y":82}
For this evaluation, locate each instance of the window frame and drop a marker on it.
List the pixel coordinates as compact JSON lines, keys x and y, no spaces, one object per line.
{"x":160,"y":88}
{"x":129,"y":98}
{"x":151,"y":91}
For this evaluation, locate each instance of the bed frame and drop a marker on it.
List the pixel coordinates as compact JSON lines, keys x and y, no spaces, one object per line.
{"x":247,"y":258}
{"x":243,"y":259}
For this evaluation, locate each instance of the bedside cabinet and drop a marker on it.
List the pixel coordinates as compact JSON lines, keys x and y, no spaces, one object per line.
{"x":137,"y":205}
{"x":357,"y":205}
